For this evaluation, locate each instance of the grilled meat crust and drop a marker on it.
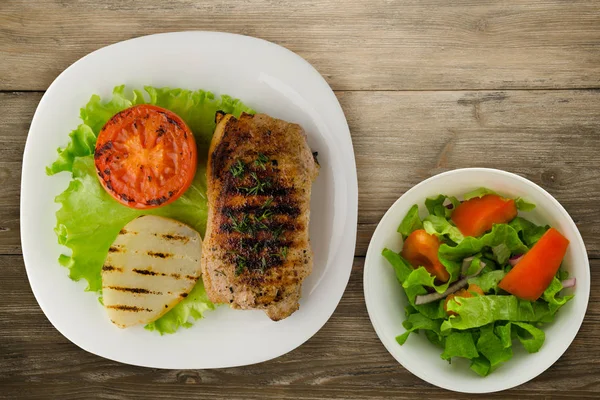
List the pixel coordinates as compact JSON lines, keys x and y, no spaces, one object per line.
{"x":256,"y":251}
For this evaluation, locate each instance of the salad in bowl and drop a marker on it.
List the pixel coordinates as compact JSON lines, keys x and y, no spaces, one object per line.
{"x":478,"y":276}
{"x":476,"y":280}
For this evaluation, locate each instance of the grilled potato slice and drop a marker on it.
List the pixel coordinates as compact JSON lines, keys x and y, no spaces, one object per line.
{"x":152,"y":265}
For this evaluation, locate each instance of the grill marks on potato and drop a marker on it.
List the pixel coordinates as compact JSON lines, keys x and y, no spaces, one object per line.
{"x":123,"y":307}
{"x":174,"y":237}
{"x":107,"y":268}
{"x":148,"y":272}
{"x":159,"y":254}
{"x":172,"y":275}
{"x":134,"y":290}
{"x":152,"y":265}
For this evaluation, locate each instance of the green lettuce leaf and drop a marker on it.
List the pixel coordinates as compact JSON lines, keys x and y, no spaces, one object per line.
{"x":501,"y":234}
{"x":488,"y":281}
{"x":550,"y":296}
{"x":440,"y":226}
{"x":414,"y":279}
{"x":478,"y":193}
{"x":89,"y":219}
{"x":403,"y":270}
{"x":190,"y":308}
{"x":482,"y":310}
{"x":531,"y":338}
{"x":503,"y":332}
{"x":460,"y":344}
{"x":418,"y":321}
{"x":529,"y":232}
{"x":562,"y":274}
{"x":411,"y":222}
{"x":435,"y":338}
{"x":421,"y":277}
{"x":490,"y":265}
{"x":501,"y":253}
{"x":492,"y":347}
{"x":524,"y":205}
{"x":435,"y":205}
{"x":82,"y":143}
{"x":495,"y":344}
{"x":481,"y":366}
{"x":474,"y":266}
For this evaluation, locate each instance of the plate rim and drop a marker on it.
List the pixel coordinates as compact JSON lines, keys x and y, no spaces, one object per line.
{"x":348,"y":159}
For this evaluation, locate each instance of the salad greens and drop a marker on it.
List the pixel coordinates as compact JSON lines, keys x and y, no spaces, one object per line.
{"x":503,"y":240}
{"x":90,"y":219}
{"x":529,"y":233}
{"x":481,"y":328}
{"x":411,"y":222}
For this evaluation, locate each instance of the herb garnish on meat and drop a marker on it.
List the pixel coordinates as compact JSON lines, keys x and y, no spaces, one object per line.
{"x":237,"y":169}
{"x":261,"y":161}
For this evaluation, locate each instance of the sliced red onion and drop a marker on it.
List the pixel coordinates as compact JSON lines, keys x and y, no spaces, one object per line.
{"x":448,"y":204}
{"x":515,"y":259}
{"x":456,"y":286}
{"x":431,"y":297}
{"x":568,"y":283}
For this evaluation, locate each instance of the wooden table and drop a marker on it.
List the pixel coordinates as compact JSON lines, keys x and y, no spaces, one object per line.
{"x":427,"y":86}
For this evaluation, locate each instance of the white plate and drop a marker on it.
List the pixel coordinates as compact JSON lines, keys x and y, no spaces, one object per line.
{"x":386,"y":301}
{"x":267,"y":77}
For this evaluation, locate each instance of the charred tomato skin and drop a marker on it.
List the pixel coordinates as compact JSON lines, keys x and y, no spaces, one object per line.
{"x":145,"y":157}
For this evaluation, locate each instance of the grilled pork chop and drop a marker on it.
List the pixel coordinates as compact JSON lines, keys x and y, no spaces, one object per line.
{"x":256,"y":250}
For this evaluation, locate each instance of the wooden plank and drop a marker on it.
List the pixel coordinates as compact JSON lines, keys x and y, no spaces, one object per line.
{"x":10,"y":182}
{"x":355,"y":44}
{"x":38,"y":362}
{"x":17,"y":110}
{"x":549,"y":137}
{"x":552,"y":138}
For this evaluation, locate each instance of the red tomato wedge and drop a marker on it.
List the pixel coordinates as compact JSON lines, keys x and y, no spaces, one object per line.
{"x":477,"y":215}
{"x":533,"y":274}
{"x":421,"y":249}
{"x":145,"y":157}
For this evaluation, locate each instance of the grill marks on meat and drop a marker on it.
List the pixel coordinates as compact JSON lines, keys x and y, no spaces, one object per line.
{"x":258,"y":235}
{"x":256,"y":250}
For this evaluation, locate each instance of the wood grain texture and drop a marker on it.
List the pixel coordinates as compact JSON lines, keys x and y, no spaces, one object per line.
{"x":17,"y":110}
{"x":355,"y":44}
{"x":473,"y":77}
{"x":344,"y":359}
{"x":402,"y":138}
{"x":549,"y":137}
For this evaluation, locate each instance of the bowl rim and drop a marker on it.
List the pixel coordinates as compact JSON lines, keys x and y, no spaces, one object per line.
{"x":372,"y":252}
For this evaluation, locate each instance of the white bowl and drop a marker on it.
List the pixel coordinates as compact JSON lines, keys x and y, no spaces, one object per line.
{"x":386,"y":301}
